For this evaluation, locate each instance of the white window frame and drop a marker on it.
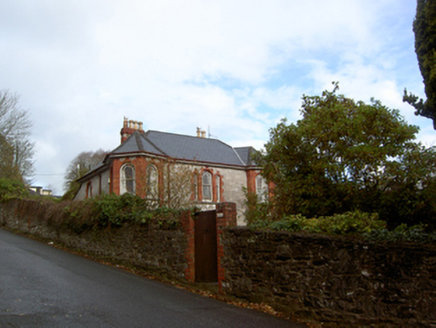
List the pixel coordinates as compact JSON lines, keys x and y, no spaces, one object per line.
{"x":261,"y":189}
{"x":206,"y":183}
{"x":124,"y":180}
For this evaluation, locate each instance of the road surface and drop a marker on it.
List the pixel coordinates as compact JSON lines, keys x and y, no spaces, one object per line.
{"x":41,"y":286}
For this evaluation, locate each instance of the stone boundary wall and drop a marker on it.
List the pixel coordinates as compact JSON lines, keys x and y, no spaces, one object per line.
{"x":336,"y":280}
{"x":170,"y":251}
{"x":149,"y":247}
{"x":342,"y":282}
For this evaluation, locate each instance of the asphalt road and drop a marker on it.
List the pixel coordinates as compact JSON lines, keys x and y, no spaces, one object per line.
{"x":41,"y":286}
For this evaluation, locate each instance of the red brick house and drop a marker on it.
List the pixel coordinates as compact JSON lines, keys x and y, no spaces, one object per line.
{"x":175,"y":169}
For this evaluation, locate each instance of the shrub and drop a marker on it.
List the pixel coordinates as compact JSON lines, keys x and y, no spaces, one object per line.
{"x":340,"y":224}
{"x":12,"y":189}
{"x":403,"y":233}
{"x":256,"y":212}
{"x":115,"y":210}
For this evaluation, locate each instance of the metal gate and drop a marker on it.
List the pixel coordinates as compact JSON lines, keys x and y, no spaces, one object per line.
{"x":206,"y":266}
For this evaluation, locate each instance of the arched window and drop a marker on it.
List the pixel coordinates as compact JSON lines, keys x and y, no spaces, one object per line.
{"x":207,"y":186}
{"x":261,"y":188}
{"x":218,"y":188}
{"x":152,"y":182}
{"x":89,"y":190}
{"x":195,"y":186}
{"x":127,"y":179}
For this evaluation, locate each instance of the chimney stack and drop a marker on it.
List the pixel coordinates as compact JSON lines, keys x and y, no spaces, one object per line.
{"x":129,"y":127}
{"x":200,"y":133}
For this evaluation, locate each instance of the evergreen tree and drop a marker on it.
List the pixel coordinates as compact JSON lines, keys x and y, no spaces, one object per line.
{"x":345,"y":155}
{"x":424,"y":28}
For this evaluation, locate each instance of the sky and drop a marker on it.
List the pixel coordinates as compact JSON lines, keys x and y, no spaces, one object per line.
{"x":234,"y":68}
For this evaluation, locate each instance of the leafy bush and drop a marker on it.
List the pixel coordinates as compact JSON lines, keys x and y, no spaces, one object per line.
{"x":79,"y":216}
{"x":355,"y":223}
{"x":403,"y":233}
{"x":340,"y":224}
{"x":12,"y":189}
{"x":115,"y":210}
{"x":256,"y":212}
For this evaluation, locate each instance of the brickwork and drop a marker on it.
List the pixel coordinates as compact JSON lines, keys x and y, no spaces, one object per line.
{"x":188,"y":226}
{"x":130,"y":127}
{"x":114,"y":186}
{"x":251,"y":180}
{"x":226,"y":217}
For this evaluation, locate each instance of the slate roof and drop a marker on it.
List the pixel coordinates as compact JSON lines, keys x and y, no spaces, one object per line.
{"x":245,"y":153}
{"x":137,"y":143}
{"x":185,"y":147}
{"x":180,"y":147}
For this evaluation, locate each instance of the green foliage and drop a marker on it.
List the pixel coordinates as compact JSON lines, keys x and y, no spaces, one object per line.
{"x":256,"y":211}
{"x":115,"y":210}
{"x":12,"y":189}
{"x":75,"y":216}
{"x":349,"y":156}
{"x":356,"y":223}
{"x":16,"y":149}
{"x":7,"y":167}
{"x":402,"y":233}
{"x":71,"y":192}
{"x":96,"y":213}
{"x":424,"y":28}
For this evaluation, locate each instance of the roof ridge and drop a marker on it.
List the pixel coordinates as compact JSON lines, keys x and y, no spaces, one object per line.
{"x":249,"y":147}
{"x":186,"y":136}
{"x":138,"y":140}
{"x":243,"y":163}
{"x":145,"y":136}
{"x":250,"y":151}
{"x":121,"y":144}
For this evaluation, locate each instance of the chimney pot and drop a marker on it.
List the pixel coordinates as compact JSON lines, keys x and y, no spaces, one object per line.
{"x":129,"y":127}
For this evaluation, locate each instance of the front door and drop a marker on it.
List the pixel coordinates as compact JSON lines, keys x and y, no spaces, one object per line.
{"x":206,"y":266}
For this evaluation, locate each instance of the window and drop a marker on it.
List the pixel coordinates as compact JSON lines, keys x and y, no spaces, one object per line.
{"x":152,"y":182}
{"x":127,"y":179}
{"x":207,"y":186}
{"x":195,"y":186}
{"x":218,"y":188}
{"x":89,"y":190}
{"x":261,"y":189}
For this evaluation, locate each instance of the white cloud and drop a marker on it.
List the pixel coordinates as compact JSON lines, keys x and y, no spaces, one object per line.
{"x":234,"y":66}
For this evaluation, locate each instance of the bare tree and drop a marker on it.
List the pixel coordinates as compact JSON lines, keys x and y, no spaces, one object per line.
{"x":81,"y":165}
{"x":16,"y":149}
{"x":165,"y":184}
{"x":178,"y":185}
